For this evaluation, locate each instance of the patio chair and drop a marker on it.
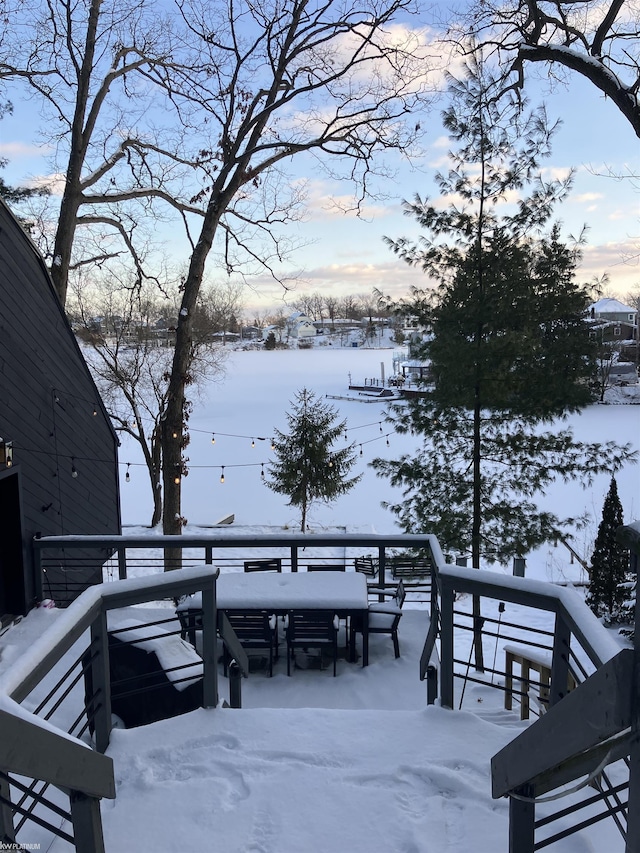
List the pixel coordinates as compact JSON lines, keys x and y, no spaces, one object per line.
{"x":410,"y":568}
{"x":323,"y":568}
{"x":255,"y":629}
{"x":311,"y":629}
{"x":384,"y":617}
{"x":274,"y":565}
{"x":366,"y":566}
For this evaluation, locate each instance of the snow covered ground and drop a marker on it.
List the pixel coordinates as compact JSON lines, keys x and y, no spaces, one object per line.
{"x":353,"y":763}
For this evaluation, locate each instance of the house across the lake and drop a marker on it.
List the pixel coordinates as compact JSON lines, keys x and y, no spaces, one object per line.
{"x":613,"y":321}
{"x":58,"y":449}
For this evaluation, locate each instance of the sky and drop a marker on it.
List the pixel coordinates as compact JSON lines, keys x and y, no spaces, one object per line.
{"x":341,"y":254}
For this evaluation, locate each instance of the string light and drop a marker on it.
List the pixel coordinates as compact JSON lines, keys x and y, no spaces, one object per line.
{"x":253,"y":442}
{"x":222,"y":475}
{"x":262,"y":471}
{"x":213,"y":438}
{"x":127,"y":476}
{"x":74,"y":471}
{"x":95,"y":412}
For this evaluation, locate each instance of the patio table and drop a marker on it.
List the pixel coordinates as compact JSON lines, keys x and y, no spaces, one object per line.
{"x":343,"y":593}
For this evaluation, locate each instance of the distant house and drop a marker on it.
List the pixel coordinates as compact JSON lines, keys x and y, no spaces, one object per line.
{"x":58,"y":449}
{"x":300,"y":326}
{"x":613,"y":321}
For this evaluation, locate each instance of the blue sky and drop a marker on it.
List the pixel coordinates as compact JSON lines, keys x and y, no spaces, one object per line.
{"x":343,"y":254}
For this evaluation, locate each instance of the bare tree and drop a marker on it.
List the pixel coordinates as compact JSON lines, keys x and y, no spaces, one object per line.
{"x":331,"y":304}
{"x":350,"y":308}
{"x":601,"y":42}
{"x":130,"y":357}
{"x":317,"y":303}
{"x":94,"y":71}
{"x":331,"y":81}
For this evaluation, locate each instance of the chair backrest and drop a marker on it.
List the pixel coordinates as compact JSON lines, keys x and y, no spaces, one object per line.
{"x":400,"y":594}
{"x":311,"y":625}
{"x":323,"y":568}
{"x":274,"y":565}
{"x":251,"y":625}
{"x":412,"y":567}
{"x":365,"y":565}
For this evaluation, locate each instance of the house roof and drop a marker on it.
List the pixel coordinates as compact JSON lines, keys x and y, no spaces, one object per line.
{"x":611,"y":306}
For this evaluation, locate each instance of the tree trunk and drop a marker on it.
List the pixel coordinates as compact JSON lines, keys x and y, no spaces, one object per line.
{"x":173,"y":423}
{"x":72,"y":196}
{"x":155,"y":473}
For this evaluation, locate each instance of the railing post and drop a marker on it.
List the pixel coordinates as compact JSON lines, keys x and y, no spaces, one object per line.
{"x":37,"y":568}
{"x":432,"y":685}
{"x":446,"y":642}
{"x":101,"y":681}
{"x":7,"y":831}
{"x":235,"y":685}
{"x":209,"y":647}
{"x":560,"y":662}
{"x":522,"y":815}
{"x":294,"y":558}
{"x":381,"y":568}
{"x":87,"y":823}
{"x":633,"y":808}
{"x":122,"y":563}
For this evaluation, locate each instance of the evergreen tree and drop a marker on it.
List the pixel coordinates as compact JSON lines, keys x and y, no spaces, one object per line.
{"x":306,"y":468}
{"x":609,"y":562}
{"x":509,"y":350}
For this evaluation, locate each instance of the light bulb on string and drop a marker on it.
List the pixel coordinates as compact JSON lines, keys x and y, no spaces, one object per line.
{"x":127,"y":476}
{"x":273,"y":444}
{"x":360,"y":450}
{"x":222,"y":474}
{"x":175,"y":434}
{"x":262,"y":470}
{"x":388,"y":441}
{"x":74,"y":470}
{"x":95,"y":412}
{"x":380,"y":426}
{"x":213,"y":438}
{"x":253,"y":442}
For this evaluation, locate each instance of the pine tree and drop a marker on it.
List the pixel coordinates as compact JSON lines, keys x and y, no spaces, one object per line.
{"x":509,"y":349}
{"x":609,"y":562}
{"x":307,"y":469}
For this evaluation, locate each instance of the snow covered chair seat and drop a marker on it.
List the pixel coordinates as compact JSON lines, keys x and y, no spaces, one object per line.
{"x":384,"y":616}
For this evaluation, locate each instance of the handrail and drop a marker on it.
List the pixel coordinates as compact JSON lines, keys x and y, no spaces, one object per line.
{"x":28,"y":745}
{"x":35,"y":748}
{"x":400,"y":540}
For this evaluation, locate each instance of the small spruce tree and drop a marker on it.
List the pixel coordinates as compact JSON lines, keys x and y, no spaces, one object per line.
{"x":306,"y":467}
{"x":609,"y":562}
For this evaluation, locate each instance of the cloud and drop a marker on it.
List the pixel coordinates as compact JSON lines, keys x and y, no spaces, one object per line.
{"x":324,"y":205}
{"x":620,"y":260}
{"x":585,"y":197}
{"x":19,"y":150}
{"x":55,"y":182}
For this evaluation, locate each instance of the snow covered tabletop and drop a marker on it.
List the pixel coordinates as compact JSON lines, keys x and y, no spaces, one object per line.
{"x":287,"y":591}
